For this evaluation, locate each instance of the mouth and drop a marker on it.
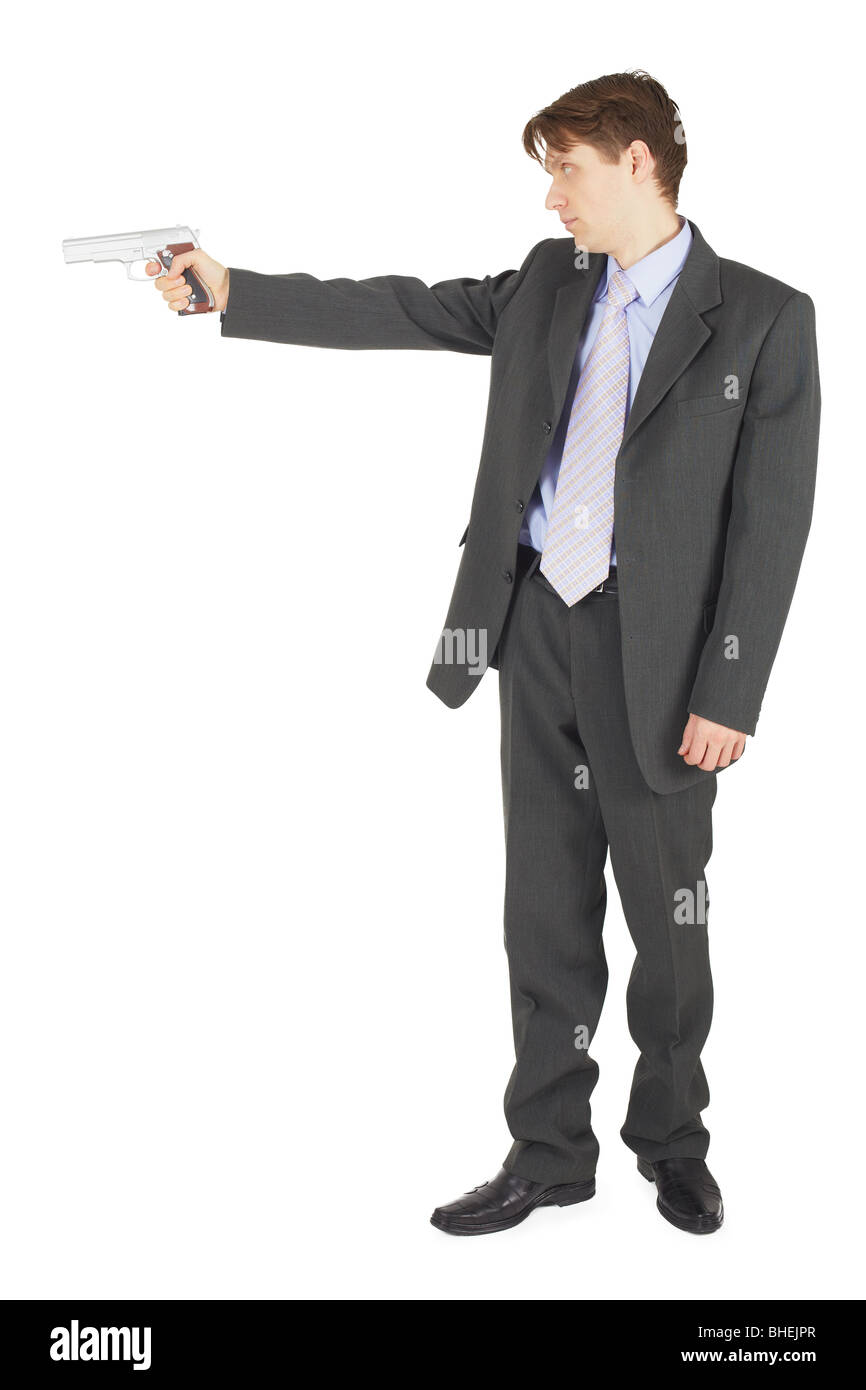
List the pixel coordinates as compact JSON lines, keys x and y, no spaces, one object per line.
{"x":569,"y":222}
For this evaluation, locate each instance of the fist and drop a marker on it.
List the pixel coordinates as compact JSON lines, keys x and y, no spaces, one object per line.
{"x":175,"y":291}
{"x":710,"y":746}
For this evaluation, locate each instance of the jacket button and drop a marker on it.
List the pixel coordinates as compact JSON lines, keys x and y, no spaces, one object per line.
{"x":507,"y":576}
{"x":519,"y":504}
{"x":547,"y":427}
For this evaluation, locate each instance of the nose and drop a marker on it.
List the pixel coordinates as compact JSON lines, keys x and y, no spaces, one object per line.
{"x":554,"y":199}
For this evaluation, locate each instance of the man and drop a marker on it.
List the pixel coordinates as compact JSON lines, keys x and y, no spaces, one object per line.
{"x":640,"y":513}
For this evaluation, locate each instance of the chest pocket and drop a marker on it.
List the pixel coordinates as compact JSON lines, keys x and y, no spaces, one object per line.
{"x":707,"y":405}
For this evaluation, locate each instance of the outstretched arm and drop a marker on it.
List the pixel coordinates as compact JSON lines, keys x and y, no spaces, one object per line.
{"x":384,"y":311}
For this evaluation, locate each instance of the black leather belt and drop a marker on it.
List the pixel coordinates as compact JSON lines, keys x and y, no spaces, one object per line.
{"x":528,"y":560}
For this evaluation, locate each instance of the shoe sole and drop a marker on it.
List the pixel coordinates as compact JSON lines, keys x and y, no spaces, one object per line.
{"x":700,"y":1226}
{"x":565,"y":1195}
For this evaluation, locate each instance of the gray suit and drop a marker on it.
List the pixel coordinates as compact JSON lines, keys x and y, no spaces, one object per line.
{"x":714,"y":487}
{"x":713,"y":497}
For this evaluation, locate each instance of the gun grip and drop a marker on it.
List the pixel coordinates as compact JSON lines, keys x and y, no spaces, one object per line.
{"x":200,"y":297}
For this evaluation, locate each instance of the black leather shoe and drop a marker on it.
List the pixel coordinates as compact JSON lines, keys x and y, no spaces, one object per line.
{"x":689,"y":1195}
{"x":505,"y":1201}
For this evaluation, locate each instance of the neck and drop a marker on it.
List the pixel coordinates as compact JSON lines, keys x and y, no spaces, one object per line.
{"x":637,"y":242}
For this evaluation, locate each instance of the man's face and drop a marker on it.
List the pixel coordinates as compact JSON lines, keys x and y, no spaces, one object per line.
{"x":592,"y":199}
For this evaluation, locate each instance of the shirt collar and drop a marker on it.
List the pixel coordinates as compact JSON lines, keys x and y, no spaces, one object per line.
{"x":654,"y":272}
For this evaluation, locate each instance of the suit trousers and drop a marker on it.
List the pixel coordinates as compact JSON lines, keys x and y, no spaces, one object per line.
{"x":572,"y":789}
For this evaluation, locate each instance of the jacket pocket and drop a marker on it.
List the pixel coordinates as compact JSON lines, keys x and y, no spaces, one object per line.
{"x":706,"y":405}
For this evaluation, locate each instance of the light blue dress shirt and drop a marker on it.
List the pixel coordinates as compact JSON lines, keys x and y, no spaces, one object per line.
{"x":654,"y":278}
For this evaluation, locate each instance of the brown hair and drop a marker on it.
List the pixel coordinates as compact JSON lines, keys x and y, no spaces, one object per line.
{"x":608,"y":113}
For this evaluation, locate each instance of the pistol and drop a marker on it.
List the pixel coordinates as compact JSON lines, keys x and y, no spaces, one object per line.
{"x":162,"y":244}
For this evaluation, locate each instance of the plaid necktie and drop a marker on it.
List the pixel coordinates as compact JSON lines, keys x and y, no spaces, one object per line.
{"x":576,"y":553}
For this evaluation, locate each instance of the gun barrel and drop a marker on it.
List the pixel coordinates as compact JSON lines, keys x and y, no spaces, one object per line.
{"x":125,"y":246}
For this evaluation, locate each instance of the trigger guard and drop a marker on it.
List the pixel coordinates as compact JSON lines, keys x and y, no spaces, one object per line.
{"x":145,"y":276}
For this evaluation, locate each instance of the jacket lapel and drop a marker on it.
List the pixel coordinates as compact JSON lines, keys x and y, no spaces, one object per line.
{"x":682,"y":331}
{"x":572,"y":304}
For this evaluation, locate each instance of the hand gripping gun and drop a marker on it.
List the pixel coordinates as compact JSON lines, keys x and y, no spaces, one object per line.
{"x":162,"y":244}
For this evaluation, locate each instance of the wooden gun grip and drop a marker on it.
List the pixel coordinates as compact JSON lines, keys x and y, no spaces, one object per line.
{"x":200,"y":297}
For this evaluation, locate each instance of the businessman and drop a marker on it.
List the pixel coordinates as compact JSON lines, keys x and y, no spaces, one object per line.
{"x":640,"y":513}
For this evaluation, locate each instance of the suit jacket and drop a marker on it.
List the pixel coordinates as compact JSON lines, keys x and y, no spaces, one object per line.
{"x":714,"y":481}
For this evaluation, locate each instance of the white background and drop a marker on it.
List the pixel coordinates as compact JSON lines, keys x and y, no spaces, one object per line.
{"x":255,"y":1017}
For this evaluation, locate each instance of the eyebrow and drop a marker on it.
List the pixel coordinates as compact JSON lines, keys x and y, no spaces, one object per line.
{"x":563,"y":159}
